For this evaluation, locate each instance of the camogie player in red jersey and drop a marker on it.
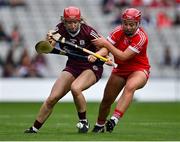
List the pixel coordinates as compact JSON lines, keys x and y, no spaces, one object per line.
{"x":79,"y":74}
{"x":128,"y":44}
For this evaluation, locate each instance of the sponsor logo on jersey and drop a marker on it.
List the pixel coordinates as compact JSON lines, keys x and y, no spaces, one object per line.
{"x":73,"y":41}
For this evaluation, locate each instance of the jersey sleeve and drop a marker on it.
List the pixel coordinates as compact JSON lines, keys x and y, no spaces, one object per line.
{"x":138,"y":42}
{"x":60,"y":29}
{"x":93,"y":34}
{"x":114,"y":35}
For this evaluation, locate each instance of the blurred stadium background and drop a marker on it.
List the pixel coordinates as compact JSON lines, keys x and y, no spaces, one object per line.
{"x":26,"y":76}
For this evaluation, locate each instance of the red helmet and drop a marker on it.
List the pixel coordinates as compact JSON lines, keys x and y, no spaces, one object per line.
{"x":72,"y":13}
{"x":132,"y":14}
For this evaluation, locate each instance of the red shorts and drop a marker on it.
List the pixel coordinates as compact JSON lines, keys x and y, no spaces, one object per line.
{"x":125,"y":73}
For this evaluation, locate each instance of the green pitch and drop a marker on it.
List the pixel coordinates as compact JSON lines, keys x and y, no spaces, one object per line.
{"x":142,"y":122}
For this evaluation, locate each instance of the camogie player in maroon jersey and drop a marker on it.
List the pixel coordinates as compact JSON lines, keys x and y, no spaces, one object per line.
{"x":79,"y":74}
{"x":128,"y":44}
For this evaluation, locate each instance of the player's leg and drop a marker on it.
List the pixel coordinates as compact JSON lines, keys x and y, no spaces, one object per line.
{"x":59,"y":89}
{"x":86,"y":79}
{"x":113,"y":87}
{"x":135,"y":81}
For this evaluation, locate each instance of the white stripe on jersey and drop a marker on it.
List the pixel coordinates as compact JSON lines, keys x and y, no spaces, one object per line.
{"x":94,"y":34}
{"x":142,"y":39}
{"x":110,"y":40}
{"x":133,"y":49}
{"x":74,"y":34}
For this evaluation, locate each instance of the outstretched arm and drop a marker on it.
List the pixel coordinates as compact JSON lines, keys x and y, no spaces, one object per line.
{"x":121,"y":55}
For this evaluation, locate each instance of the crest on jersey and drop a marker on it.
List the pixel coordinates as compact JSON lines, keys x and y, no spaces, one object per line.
{"x":82,"y":42}
{"x":95,"y":68}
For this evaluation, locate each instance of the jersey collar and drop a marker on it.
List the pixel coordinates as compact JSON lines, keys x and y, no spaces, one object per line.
{"x":75,"y":34}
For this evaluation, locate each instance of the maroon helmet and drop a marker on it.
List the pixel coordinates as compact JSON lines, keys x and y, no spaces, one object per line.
{"x":72,"y":13}
{"x":132,"y":14}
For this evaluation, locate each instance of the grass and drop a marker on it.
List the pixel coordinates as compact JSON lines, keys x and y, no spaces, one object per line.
{"x":142,"y":122}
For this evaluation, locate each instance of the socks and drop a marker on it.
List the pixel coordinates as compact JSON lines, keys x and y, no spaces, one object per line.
{"x":100,"y":125}
{"x":34,"y":129}
{"x":37,"y":125}
{"x":82,"y":116}
{"x":100,"y":122}
{"x":117,"y":115}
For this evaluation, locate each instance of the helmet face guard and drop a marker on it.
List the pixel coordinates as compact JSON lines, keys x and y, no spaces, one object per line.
{"x":131,"y":17}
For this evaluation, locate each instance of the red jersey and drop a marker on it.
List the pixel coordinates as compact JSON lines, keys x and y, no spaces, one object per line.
{"x":137,"y":43}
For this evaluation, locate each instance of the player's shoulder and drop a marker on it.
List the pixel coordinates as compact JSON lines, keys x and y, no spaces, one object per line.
{"x":140,"y":37}
{"x":87,"y":27}
{"x":60,"y":25}
{"x":117,"y":29}
{"x":88,"y":30}
{"x":141,"y":33}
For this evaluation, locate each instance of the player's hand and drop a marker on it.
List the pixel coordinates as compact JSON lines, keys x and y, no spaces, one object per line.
{"x":91,"y":58}
{"x":49,"y":35}
{"x":52,"y":36}
{"x":109,"y":62}
{"x":100,"y":42}
{"x":50,"y":39}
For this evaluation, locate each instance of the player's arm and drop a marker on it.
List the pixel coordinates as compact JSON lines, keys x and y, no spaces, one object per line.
{"x":121,"y":55}
{"x":103,"y":52}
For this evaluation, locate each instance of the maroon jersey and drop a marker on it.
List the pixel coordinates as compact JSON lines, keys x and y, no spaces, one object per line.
{"x":82,"y":38}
